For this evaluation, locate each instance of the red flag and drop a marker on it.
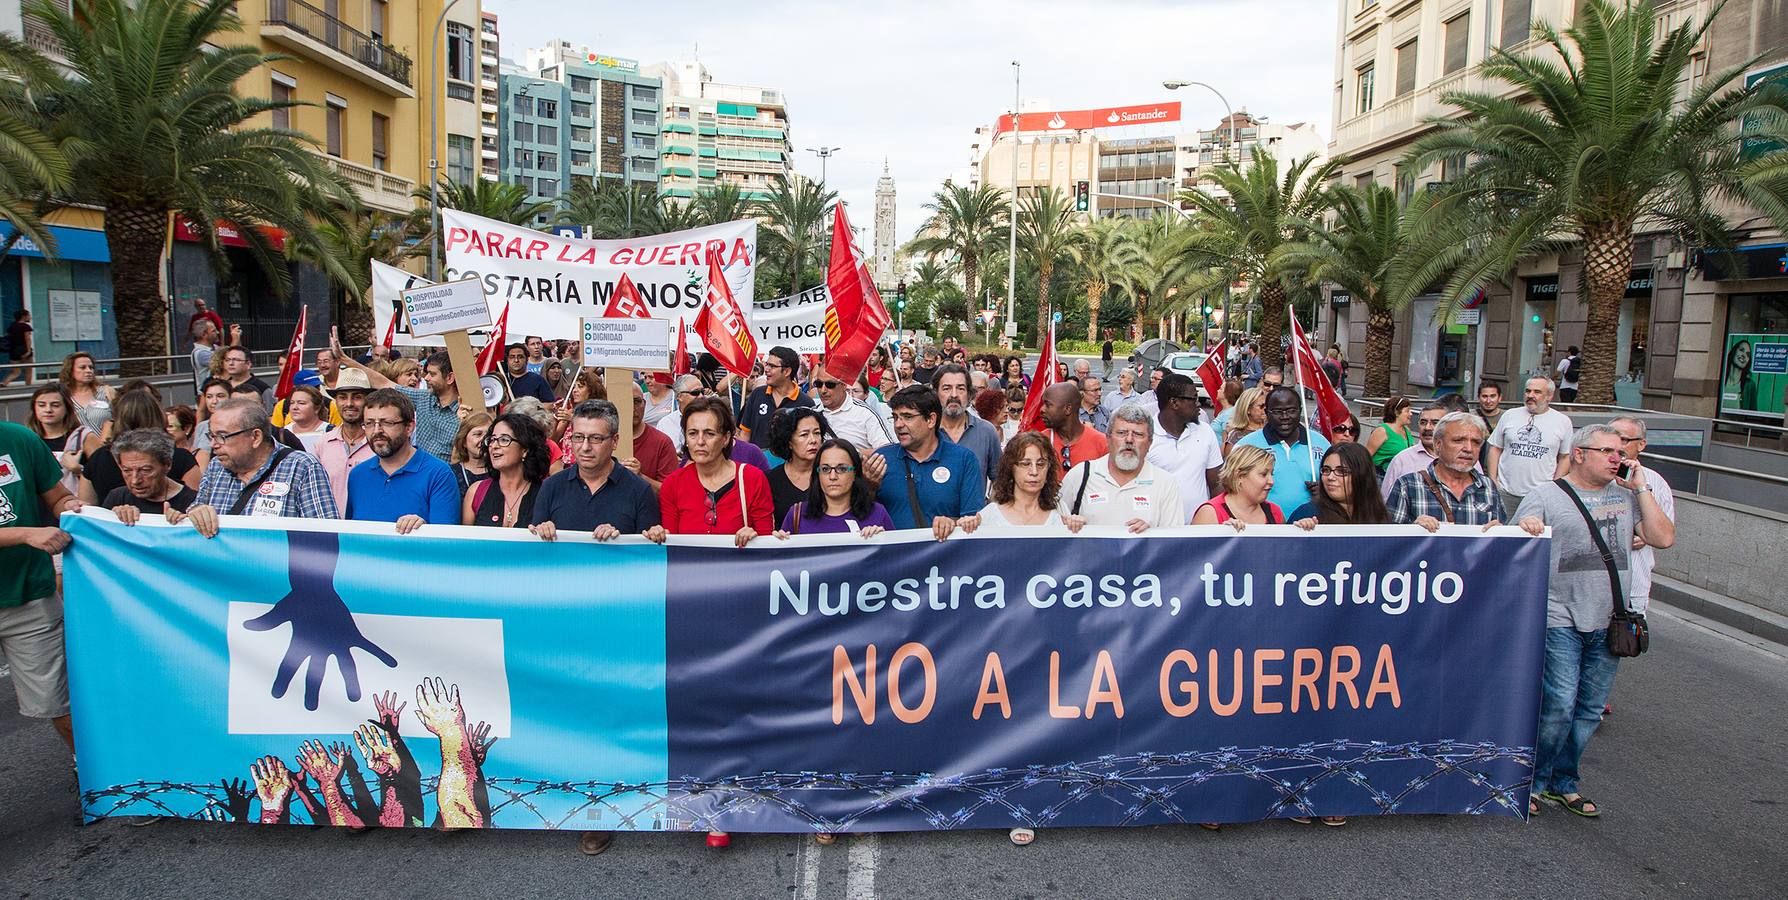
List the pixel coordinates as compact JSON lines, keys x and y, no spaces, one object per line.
{"x":722,"y":325}
{"x":680,"y":363}
{"x":1210,"y":372}
{"x":391,"y":331}
{"x":490,"y":359}
{"x":1331,"y":409}
{"x":625,"y":302}
{"x":294,"y":358}
{"x":1032,"y":420}
{"x":855,"y":316}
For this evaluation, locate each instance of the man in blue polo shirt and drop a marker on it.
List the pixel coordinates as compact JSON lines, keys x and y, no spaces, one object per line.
{"x":941,"y":479}
{"x":400,"y":484}
{"x":596,"y":495}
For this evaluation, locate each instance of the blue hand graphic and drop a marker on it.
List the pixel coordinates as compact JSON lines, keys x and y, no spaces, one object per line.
{"x":322,"y":627}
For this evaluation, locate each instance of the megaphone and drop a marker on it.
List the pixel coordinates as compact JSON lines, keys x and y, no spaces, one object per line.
{"x":495,"y":391}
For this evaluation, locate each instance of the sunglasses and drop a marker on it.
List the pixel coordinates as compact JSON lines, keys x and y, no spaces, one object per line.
{"x":827,"y":385}
{"x":1345,"y":429}
{"x":713,"y":513}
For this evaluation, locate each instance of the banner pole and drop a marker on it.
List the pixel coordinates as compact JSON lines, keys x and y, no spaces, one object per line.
{"x":1297,"y":367}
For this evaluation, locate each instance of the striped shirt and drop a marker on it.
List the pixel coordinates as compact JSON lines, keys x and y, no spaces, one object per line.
{"x":298,"y":488}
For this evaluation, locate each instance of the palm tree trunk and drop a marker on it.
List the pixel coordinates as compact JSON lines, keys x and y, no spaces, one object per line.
{"x":1607,"y":262}
{"x":1141,"y":299}
{"x":1381,"y":332}
{"x":1044,"y":266}
{"x":971,"y":273}
{"x":136,"y":236}
{"x":795,"y":278}
{"x":1272,"y":323}
{"x":1095,"y":296}
{"x":357,"y":319}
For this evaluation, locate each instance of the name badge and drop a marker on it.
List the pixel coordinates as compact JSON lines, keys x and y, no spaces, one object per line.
{"x":267,"y":506}
{"x":940,"y":475}
{"x":275,"y":489}
{"x":1095,"y":497}
{"x":1140,"y":503}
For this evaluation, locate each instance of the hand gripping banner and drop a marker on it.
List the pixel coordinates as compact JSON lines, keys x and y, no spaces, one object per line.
{"x":483,"y":678}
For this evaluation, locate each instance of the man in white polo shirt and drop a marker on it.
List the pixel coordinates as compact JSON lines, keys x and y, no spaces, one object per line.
{"x":1121,"y":488}
{"x":849,"y":417}
{"x":1182,"y":444}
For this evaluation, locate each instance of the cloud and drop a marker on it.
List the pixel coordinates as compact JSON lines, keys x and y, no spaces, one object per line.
{"x":910,"y":82}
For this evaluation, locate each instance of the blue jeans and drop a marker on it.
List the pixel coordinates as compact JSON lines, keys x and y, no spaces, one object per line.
{"x":1579,"y":675}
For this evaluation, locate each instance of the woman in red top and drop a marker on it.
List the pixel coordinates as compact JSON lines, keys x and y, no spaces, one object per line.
{"x":1247,"y":477}
{"x":703,"y":497}
{"x":879,"y":364}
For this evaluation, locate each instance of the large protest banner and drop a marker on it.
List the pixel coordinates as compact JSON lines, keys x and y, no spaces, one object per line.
{"x":551,"y":281}
{"x":819,"y":684}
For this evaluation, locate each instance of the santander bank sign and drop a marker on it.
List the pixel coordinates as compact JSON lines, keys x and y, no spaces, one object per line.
{"x":1084,"y":119}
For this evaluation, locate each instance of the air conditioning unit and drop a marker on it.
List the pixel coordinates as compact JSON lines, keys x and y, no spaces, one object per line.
{"x":1676,"y":259}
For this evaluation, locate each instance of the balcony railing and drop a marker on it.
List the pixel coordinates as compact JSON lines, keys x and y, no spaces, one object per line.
{"x":376,"y":188}
{"x":340,"y":37}
{"x":41,"y":38}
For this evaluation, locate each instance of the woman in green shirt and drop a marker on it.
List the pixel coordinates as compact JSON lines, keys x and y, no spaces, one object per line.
{"x":1392,"y":437}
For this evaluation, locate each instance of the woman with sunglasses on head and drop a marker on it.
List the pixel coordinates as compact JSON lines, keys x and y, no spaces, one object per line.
{"x":839,"y":500}
{"x":1347,"y":432}
{"x":713,"y":494}
{"x":795,"y":438}
{"x":519,"y":460}
{"x":1250,"y":416}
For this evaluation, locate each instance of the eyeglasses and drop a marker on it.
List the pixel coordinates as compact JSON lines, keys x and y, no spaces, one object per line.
{"x":702,"y":392}
{"x":828,"y":385}
{"x":575,"y":439}
{"x":837,"y":470}
{"x":1337,"y":471}
{"x":218,"y":437}
{"x":1345,"y":429}
{"x":499,"y":440}
{"x":1609,"y":451}
{"x":1629,"y":440}
{"x":383,"y":424}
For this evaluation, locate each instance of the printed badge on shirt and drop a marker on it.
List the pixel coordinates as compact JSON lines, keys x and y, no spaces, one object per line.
{"x":9,"y":472}
{"x":270,"y":499}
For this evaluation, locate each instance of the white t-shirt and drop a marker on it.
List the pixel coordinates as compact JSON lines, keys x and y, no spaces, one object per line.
{"x":1644,"y":559}
{"x":858,"y":424}
{"x":1531,"y":446}
{"x":1564,"y":383}
{"x":995,"y":520}
{"x":1187,"y":457}
{"x":1152,"y":496}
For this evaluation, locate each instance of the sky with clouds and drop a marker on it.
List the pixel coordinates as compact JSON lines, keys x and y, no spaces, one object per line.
{"x":910,"y":81}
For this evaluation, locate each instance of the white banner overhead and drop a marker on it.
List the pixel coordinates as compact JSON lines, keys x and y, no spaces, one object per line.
{"x":551,"y":282}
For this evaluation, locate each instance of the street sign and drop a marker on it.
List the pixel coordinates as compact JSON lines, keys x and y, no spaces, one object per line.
{"x":449,"y":306}
{"x":626,"y":343}
{"x":1058,"y":318}
{"x":988,"y":315}
{"x":1471,"y":316}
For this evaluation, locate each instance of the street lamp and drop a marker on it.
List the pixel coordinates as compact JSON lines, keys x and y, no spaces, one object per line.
{"x":434,"y":144}
{"x":1012,"y":212}
{"x":1174,"y":85}
{"x":824,"y":153}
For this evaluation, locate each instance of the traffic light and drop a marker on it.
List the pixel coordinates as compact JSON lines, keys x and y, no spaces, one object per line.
{"x":1082,"y":196}
{"x":1207,"y":310}
{"x":900,"y":296}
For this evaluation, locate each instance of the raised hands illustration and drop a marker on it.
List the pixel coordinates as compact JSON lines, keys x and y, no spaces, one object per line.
{"x":322,"y":626}
{"x":390,"y":711}
{"x":438,"y":706}
{"x":273,"y":784}
{"x":481,"y":741}
{"x":325,"y":767}
{"x":236,"y":795}
{"x":399,"y":785}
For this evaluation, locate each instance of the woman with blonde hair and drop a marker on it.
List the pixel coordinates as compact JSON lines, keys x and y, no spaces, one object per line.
{"x":1246,"y":479}
{"x":467,"y":459}
{"x":1249,"y":416}
{"x":406,"y":372}
{"x":92,"y":400}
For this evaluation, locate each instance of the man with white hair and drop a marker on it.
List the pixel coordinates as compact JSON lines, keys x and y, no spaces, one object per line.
{"x":1449,"y":489}
{"x":1126,"y":392}
{"x":1530,"y":446}
{"x":1121,"y":488}
{"x":1632,"y":440}
{"x":687,"y":389}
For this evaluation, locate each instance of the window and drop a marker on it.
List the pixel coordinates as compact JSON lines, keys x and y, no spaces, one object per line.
{"x":645,"y":117}
{"x":644,"y":164}
{"x":580,"y":134}
{"x":284,"y":91}
{"x":546,"y":187}
{"x":1406,"y":68}
{"x":334,"y":121}
{"x":1458,"y":43}
{"x":462,"y":47}
{"x":522,"y":131}
{"x":642,"y":94}
{"x":551,"y":74}
{"x":546,"y":109}
{"x":376,"y":20}
{"x":381,"y":138}
{"x":1363,"y":180}
{"x":580,"y":157}
{"x":522,"y":159}
{"x":547,"y":161}
{"x":1517,"y":21}
{"x":580,"y":110}
{"x":1452,"y":168}
{"x":462,"y":154}
{"x":1406,"y":184}
{"x":1366,"y":75}
{"x":582,"y":85}
{"x":682,"y":112}
{"x":546,"y":134}
{"x":644,"y":142}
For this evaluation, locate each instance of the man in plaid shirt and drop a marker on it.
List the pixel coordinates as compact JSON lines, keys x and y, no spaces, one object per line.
{"x":1450,"y":489}
{"x":250,"y":475}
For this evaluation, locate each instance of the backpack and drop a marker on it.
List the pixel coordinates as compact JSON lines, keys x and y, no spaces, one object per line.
{"x":1573,"y":368}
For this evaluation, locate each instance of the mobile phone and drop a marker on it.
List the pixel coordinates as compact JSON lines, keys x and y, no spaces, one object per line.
{"x":1626,"y":470}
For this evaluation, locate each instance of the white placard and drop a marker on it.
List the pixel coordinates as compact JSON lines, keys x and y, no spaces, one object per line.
{"x":1469,"y":317}
{"x":626,"y":343}
{"x":76,"y":316}
{"x":449,"y":306}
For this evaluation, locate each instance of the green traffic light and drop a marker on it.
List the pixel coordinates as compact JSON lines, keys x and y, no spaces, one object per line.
{"x":1536,"y":318}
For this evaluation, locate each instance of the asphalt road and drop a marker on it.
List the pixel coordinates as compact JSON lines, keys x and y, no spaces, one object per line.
{"x":1692,"y":773}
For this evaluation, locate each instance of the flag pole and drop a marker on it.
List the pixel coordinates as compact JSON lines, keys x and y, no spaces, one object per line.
{"x":1297,"y":356}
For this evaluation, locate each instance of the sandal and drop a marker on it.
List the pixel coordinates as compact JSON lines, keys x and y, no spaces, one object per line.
{"x":825,"y":838}
{"x":1579,"y":806}
{"x":1301,"y":820}
{"x":1334,"y":821}
{"x":1533,"y":805}
{"x":1210,"y":826}
{"x":1022,"y":836}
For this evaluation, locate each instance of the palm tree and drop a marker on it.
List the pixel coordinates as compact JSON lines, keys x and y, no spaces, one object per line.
{"x":1108,"y":251}
{"x":161,"y":131}
{"x":1047,"y":231}
{"x":490,"y":199}
{"x":32,"y":164}
{"x":795,"y":219}
{"x":1384,"y":253}
{"x":350,"y":243}
{"x":1240,"y":233}
{"x":1602,"y":145}
{"x":1162,"y":270}
{"x":934,"y":295}
{"x":963,"y":226}
{"x":721,"y":203}
{"x":611,"y":208}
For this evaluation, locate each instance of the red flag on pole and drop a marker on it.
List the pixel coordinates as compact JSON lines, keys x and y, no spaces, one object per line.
{"x":490,"y":359}
{"x":391,"y":331}
{"x":625,"y":302}
{"x":1043,"y":380}
{"x":1331,"y":409}
{"x":294,"y":358}
{"x":722,"y":325}
{"x":1210,"y":372}
{"x":680,"y":362}
{"x":855,"y":316}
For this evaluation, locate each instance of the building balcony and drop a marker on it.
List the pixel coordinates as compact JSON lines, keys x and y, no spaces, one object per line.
{"x":377,"y":189}
{"x":317,"y":35}
{"x":40,"y":38}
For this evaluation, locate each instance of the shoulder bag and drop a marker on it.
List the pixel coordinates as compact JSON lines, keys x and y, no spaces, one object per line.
{"x":1446,"y":509}
{"x":1086,"y":475}
{"x":249,"y":489}
{"x":1628,"y":634}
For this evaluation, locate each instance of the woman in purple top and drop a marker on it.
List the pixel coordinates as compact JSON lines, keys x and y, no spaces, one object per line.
{"x":839,"y":500}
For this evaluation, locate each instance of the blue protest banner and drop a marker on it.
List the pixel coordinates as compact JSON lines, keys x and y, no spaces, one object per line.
{"x":487,"y":679}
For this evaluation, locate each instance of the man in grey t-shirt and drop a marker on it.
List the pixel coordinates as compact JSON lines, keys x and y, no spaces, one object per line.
{"x":1579,"y":599}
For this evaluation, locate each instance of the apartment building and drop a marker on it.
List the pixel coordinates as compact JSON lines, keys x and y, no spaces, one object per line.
{"x":715,"y":132}
{"x":490,"y":98}
{"x":578,"y":114}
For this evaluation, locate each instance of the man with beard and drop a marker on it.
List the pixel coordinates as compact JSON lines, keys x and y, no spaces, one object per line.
{"x":1074,"y":442}
{"x":346,"y":446}
{"x":930,"y":483}
{"x":524,"y":381}
{"x":435,"y":405}
{"x":402,"y":485}
{"x":957,"y":426}
{"x":250,"y":475}
{"x":1530,"y":446}
{"x":1294,"y":446}
{"x":1121,"y":488}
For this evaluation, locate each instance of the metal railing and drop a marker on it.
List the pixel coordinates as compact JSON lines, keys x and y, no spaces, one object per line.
{"x":161,"y":366}
{"x":1700,"y":466}
{"x":341,"y":37}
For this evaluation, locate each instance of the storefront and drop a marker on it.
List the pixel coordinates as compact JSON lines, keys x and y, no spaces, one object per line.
{"x":70,"y":297}
{"x":244,"y":294}
{"x":1753,"y":376}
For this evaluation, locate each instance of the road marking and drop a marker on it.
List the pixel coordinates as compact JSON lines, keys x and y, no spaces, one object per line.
{"x":865,"y":855}
{"x":807,"y":862}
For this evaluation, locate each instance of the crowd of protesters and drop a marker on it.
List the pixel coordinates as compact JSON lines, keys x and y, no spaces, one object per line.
{"x":929,"y":439}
